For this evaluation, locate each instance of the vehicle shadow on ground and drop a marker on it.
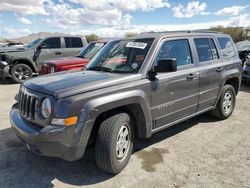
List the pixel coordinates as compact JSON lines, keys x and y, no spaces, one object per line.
{"x":20,"y":168}
{"x":245,"y":88}
{"x":7,"y":81}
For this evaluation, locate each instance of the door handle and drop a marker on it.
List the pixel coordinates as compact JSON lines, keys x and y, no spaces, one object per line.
{"x":58,"y":53}
{"x":191,"y":76}
{"x":220,"y":69}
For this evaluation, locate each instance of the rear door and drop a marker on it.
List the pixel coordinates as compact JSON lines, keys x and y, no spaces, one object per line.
{"x":51,"y":49}
{"x":210,"y":71}
{"x":72,"y":46}
{"x":175,"y":94}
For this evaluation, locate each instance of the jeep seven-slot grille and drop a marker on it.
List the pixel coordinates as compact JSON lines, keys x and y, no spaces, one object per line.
{"x":27,"y":105}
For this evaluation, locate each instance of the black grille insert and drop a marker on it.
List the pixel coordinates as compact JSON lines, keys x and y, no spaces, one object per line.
{"x":27,"y":105}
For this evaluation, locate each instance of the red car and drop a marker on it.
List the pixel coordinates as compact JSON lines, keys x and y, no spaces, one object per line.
{"x":72,"y":63}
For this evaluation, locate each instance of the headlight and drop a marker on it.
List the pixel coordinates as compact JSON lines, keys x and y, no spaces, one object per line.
{"x":46,"y":108}
{"x":52,"y":70}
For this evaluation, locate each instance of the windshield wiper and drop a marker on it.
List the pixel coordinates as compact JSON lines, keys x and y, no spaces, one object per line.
{"x":104,"y":69}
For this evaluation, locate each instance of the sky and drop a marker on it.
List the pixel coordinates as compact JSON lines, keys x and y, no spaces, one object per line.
{"x":114,"y":18}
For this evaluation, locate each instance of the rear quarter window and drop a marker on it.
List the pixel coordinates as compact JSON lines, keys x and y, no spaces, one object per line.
{"x":227,"y":48}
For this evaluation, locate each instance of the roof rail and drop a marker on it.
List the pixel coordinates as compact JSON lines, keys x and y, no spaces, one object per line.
{"x":184,"y":31}
{"x":203,"y":31}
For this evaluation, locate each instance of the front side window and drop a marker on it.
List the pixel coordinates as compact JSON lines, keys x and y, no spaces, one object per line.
{"x":91,"y":49}
{"x":206,"y":49}
{"x":73,"y":42}
{"x":51,"y":43}
{"x":227,"y":48}
{"x":121,"y":56}
{"x":176,"y":49}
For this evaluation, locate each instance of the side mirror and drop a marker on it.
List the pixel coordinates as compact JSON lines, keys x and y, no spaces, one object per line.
{"x":163,"y":65}
{"x":42,"y":46}
{"x":166,"y":65}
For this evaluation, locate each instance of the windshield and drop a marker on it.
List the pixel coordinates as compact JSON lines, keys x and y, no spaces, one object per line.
{"x":121,"y":56}
{"x":33,"y":43}
{"x":90,"y":50}
{"x":244,"y":45}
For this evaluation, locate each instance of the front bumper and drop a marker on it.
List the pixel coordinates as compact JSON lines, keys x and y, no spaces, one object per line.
{"x":4,"y":70}
{"x":52,"y":141}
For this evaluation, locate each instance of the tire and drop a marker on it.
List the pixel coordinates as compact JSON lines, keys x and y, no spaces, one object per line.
{"x":226,"y":103}
{"x":20,"y":73}
{"x":111,"y":152}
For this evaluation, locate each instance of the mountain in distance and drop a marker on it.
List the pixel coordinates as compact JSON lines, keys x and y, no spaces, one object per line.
{"x":29,"y":38}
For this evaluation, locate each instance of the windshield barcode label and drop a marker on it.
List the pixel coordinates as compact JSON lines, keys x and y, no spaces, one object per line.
{"x":140,"y":45}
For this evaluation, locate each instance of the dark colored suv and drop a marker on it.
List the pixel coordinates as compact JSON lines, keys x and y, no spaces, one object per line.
{"x":133,"y":88}
{"x":21,"y":63}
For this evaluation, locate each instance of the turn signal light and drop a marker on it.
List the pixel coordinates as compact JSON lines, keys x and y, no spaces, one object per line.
{"x":70,"y":121}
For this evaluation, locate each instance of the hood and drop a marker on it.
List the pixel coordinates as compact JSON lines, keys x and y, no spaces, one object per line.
{"x":12,"y":49}
{"x":64,"y":84}
{"x":68,"y":61}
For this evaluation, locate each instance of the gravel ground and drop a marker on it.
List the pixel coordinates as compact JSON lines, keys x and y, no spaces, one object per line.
{"x":201,"y":152}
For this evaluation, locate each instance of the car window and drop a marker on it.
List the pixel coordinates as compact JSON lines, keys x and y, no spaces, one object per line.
{"x":176,"y":49}
{"x":73,"y":42}
{"x":54,"y":42}
{"x":206,"y":49}
{"x":227,"y":48}
{"x":91,"y":49}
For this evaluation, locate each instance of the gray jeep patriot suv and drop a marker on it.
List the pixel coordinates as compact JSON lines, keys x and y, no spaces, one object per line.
{"x":21,"y":63}
{"x":132,"y":88}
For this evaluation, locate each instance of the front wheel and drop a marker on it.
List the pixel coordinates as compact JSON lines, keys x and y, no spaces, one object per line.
{"x":20,"y":73}
{"x":226,"y":103}
{"x":114,"y":143}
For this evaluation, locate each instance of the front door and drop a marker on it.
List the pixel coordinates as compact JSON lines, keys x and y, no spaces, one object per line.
{"x":175,"y":94}
{"x":51,"y":49}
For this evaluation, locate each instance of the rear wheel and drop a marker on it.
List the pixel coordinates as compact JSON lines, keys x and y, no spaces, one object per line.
{"x":114,"y":143}
{"x":20,"y":73}
{"x":226,"y":103}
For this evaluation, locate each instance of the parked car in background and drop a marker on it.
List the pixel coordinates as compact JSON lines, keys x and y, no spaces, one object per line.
{"x":72,"y":63}
{"x":244,"y":54}
{"x":16,"y":44}
{"x":133,"y":88}
{"x":21,"y":63}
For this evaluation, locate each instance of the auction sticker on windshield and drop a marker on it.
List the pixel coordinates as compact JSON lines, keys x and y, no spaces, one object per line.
{"x":99,"y":44}
{"x":140,"y":45}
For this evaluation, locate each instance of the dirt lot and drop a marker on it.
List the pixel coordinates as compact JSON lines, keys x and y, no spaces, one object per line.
{"x":201,"y":152}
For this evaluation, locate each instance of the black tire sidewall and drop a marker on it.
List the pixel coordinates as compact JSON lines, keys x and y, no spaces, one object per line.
{"x":17,"y":66}
{"x":117,"y":165}
{"x":227,"y":88}
{"x":105,"y":148}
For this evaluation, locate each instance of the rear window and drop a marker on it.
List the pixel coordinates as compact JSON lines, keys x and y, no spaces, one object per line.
{"x":206,"y":49}
{"x":73,"y":42}
{"x":227,"y":48}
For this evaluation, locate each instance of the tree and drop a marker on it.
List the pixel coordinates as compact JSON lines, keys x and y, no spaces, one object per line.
{"x":130,"y":34}
{"x":237,"y":33}
{"x":91,"y":37}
